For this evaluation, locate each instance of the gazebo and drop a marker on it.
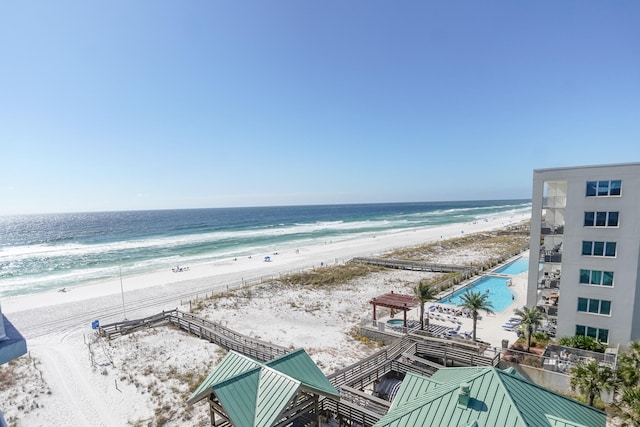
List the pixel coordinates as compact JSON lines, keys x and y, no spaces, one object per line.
{"x":244,"y":392}
{"x":396,"y":302}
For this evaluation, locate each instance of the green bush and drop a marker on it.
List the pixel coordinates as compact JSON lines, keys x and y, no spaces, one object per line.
{"x":540,"y":336}
{"x":583,"y":343}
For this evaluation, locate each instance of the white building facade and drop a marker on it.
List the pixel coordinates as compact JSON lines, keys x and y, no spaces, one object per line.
{"x":585,"y":226}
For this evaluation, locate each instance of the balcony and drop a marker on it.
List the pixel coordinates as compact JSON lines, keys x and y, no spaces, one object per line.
{"x":554,"y":202}
{"x":549,"y":309}
{"x":548,"y":229}
{"x":550,"y":256}
{"x":551,"y":284}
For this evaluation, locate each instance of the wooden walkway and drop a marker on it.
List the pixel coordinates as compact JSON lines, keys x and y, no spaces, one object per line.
{"x":410,"y":353}
{"x":412,"y":265}
{"x":205,"y":329}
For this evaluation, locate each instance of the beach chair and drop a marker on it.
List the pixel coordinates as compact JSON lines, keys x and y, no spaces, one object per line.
{"x":453,"y":332}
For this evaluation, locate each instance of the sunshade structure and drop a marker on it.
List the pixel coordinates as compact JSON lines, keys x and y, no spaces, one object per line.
{"x":484,"y":397}
{"x":12,"y":346}
{"x":12,"y":343}
{"x":396,"y":302}
{"x":249,"y":393}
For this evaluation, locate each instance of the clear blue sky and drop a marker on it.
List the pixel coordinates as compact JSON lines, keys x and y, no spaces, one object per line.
{"x":117,"y":105}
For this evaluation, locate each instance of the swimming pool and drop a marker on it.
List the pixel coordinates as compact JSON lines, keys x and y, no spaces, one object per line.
{"x":499,"y":293}
{"x":395,"y":322}
{"x":516,"y":267}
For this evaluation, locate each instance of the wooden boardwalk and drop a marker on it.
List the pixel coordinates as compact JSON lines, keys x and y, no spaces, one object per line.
{"x":410,"y":353}
{"x":413,"y":265}
{"x":202,"y":328}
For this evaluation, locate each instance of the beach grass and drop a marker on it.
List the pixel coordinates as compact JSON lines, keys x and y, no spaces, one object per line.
{"x":331,"y":276}
{"x":488,"y":244}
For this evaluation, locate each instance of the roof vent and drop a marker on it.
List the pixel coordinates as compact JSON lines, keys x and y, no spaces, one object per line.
{"x":463,"y":394}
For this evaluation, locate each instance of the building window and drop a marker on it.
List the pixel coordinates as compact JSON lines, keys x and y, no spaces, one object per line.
{"x":604,"y":188}
{"x":582,"y":304}
{"x":607,"y":249}
{"x":596,"y":277}
{"x":595,"y":306}
{"x":598,"y":334}
{"x":601,"y":219}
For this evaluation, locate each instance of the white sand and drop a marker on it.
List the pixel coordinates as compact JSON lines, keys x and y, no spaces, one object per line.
{"x":137,"y":377}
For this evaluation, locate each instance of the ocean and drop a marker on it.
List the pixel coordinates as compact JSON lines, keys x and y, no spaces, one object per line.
{"x":40,"y":253}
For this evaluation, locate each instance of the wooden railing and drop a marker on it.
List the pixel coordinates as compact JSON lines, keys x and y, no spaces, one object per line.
{"x":451,"y":351}
{"x":411,"y":265}
{"x":205,"y":329}
{"x":226,"y":338}
{"x":407,"y":354}
{"x":372,"y":365}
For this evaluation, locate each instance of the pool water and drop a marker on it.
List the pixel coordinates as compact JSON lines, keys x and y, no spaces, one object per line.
{"x":499,"y":293}
{"x":395,"y":322}
{"x":516,"y":267}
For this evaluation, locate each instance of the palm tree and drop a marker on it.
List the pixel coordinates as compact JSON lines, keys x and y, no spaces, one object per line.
{"x":629,"y":365}
{"x":531,"y":320}
{"x":473,"y":302}
{"x":424,"y":292}
{"x":629,"y":377}
{"x":629,"y":405}
{"x":591,"y":379}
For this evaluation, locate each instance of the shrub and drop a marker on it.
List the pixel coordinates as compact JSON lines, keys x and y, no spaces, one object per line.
{"x":583,"y":343}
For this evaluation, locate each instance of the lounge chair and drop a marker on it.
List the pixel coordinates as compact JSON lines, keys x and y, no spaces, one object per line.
{"x":453,"y":332}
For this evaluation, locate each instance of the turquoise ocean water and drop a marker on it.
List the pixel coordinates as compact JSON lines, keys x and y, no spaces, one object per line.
{"x":45,"y":252}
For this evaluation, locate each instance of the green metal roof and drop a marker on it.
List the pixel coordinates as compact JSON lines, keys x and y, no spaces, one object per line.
{"x":233,"y":364}
{"x":255,"y":394}
{"x":300,"y":366}
{"x":257,"y":397}
{"x":495,"y":398}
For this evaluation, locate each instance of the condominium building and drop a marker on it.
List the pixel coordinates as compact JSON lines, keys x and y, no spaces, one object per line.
{"x":585,"y":227}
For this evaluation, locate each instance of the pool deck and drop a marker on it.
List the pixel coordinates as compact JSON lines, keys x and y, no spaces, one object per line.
{"x":489,"y":328}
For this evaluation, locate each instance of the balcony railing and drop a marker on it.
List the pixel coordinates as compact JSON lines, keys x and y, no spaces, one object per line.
{"x":550,"y":284}
{"x":548,"y":229}
{"x":550,"y":256}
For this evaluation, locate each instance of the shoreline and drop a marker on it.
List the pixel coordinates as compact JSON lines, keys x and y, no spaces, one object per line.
{"x":218,"y":275}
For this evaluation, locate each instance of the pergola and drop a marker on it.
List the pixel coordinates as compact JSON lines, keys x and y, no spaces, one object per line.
{"x":396,"y":302}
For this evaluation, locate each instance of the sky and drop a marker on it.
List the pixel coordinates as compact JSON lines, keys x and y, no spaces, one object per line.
{"x":129,"y":105}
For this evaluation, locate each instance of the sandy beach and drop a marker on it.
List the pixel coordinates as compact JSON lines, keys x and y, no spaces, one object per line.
{"x":71,"y":378}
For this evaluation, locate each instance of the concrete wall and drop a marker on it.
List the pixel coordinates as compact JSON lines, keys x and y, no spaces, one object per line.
{"x":624,"y":321}
{"x":552,"y":380}
{"x":379,"y":334}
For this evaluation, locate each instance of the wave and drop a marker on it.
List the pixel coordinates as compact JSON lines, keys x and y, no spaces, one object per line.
{"x":89,"y":247}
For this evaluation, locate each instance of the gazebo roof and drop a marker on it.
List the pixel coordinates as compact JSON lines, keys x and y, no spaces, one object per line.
{"x":395,"y":301}
{"x":257,"y":394}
